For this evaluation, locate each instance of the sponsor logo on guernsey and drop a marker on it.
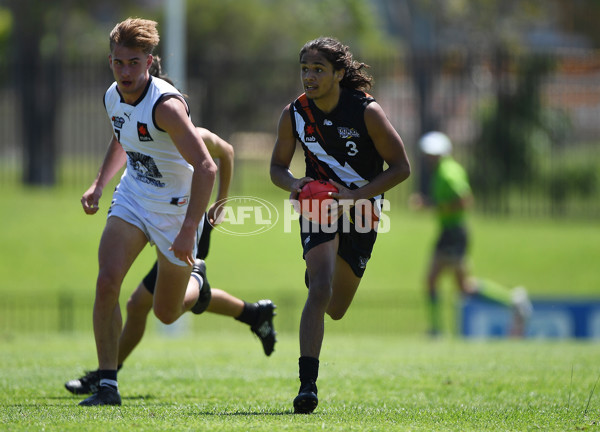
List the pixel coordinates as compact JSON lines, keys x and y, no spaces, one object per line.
{"x":328,"y":122}
{"x":118,"y":121}
{"x":143,"y":133}
{"x":348,"y":132}
{"x":309,"y":131}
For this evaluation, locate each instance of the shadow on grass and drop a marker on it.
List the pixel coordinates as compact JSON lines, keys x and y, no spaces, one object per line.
{"x":246,"y":413}
{"x":139,"y":397}
{"x":150,"y":398}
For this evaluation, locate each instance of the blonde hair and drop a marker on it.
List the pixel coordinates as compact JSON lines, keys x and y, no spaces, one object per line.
{"x":135,"y":33}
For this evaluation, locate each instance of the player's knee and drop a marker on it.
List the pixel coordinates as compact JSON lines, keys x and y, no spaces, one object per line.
{"x":136,"y":308}
{"x":336,"y":313}
{"x":320,"y":293}
{"x":107,"y":286}
{"x":166,"y":316}
{"x":132,"y":307}
{"x":338,"y":307}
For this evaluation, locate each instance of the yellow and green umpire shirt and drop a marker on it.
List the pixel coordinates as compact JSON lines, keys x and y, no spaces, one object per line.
{"x":449,"y":183}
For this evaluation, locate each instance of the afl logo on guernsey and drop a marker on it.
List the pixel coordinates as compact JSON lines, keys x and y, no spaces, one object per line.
{"x":143,"y":133}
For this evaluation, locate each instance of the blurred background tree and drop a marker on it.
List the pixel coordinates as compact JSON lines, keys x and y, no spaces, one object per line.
{"x":514,"y":127}
{"x":242,"y":54}
{"x":39,"y":36}
{"x":43,"y":35}
{"x":265,"y":36}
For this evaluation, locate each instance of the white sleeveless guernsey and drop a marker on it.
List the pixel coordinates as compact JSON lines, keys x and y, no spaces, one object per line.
{"x":156,"y":176}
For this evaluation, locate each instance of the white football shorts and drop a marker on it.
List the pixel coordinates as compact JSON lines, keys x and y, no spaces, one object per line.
{"x":160,"y":228}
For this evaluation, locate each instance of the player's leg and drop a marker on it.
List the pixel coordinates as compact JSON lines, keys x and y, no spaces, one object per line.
{"x":175,"y":292}
{"x":515,"y":298}
{"x":139,"y":306}
{"x":487,"y":289}
{"x":223,"y":303}
{"x":450,"y":249}
{"x":436,"y":267}
{"x":202,"y":248}
{"x":354,"y":252}
{"x":259,"y":315}
{"x":344,"y":286}
{"x":455,"y":251}
{"x":148,"y":285}
{"x":120,"y":244}
{"x":320,"y":264}
{"x":465,"y":283}
{"x":204,"y":240}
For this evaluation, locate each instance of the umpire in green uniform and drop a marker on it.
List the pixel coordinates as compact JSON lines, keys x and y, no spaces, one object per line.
{"x":450,"y":195}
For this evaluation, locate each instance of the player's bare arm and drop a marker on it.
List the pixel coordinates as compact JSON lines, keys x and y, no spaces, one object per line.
{"x":114,"y":160}
{"x":283,"y":152}
{"x":391,"y":148}
{"x":171,"y":116}
{"x":223,"y":151}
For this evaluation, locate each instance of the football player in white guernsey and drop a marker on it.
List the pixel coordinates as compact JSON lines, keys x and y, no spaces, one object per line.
{"x":258,"y":316}
{"x":161,"y":198}
{"x":346,"y":137}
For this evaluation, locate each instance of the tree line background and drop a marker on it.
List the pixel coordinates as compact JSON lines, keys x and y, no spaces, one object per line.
{"x":513,"y":83}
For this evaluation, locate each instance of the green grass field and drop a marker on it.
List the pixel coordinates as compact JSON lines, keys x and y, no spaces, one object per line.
{"x":378,"y":373}
{"x":49,"y":251}
{"x":220,"y":381}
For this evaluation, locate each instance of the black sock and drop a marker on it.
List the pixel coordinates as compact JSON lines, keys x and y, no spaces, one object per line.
{"x":108,"y":377}
{"x":119,"y":366}
{"x":309,"y":368}
{"x":249,"y":314}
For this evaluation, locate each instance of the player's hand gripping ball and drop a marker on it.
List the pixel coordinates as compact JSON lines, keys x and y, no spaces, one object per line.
{"x":315,"y":201}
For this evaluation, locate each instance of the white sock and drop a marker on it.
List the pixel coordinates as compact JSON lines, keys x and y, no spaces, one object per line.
{"x":109,"y":382}
{"x":199,"y":279}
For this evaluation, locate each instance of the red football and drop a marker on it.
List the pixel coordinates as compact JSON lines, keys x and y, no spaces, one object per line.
{"x":314,"y":201}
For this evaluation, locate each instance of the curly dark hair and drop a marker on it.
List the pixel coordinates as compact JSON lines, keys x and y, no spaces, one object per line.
{"x":339,"y":55}
{"x":156,"y":69}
